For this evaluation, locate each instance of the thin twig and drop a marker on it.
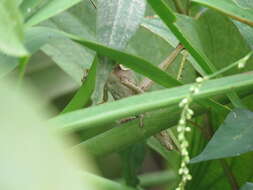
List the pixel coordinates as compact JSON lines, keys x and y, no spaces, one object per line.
{"x":182,"y":64}
{"x":146,"y":82}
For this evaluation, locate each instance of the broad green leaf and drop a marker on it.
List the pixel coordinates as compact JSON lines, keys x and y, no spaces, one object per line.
{"x":82,"y":21}
{"x":154,"y":100}
{"x":218,"y":177}
{"x":230,"y":8}
{"x":246,"y":31}
{"x":231,"y":139}
{"x":246,"y":4}
{"x":29,"y":7}
{"x":118,"y":20}
{"x":70,"y":56}
{"x":247,"y":186}
{"x":156,"y":26}
{"x":11,"y":29}
{"x":83,"y":95}
{"x":73,"y":58}
{"x":37,"y":37}
{"x":7,"y":64}
{"x":79,"y":20}
{"x":219,"y":40}
{"x":50,"y":9}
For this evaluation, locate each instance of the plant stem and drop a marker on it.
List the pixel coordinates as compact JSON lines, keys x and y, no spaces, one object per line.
{"x":156,"y":178}
{"x":230,"y":176}
{"x":22,"y":68}
{"x":179,"y":6}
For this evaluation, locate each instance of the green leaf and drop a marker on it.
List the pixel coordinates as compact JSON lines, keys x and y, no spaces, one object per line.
{"x":247,"y":186}
{"x":50,"y":9}
{"x":28,"y":7}
{"x":11,"y":29}
{"x":7,"y":64}
{"x":37,"y":37}
{"x":246,"y":31}
{"x":108,"y":112}
{"x":132,"y":160}
{"x":179,"y":32}
{"x":229,"y":8}
{"x":234,"y":137}
{"x":220,"y":40}
{"x":118,"y":20}
{"x":245,"y":4}
{"x":70,"y":56}
{"x":79,"y":20}
{"x":105,"y":67}
{"x":83,"y":95}
{"x":156,"y":26}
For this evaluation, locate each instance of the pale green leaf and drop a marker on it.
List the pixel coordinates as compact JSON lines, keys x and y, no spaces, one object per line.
{"x":69,"y":56}
{"x":11,"y":29}
{"x":156,"y":26}
{"x":7,"y":64}
{"x":50,"y":9}
{"x":245,"y":4}
{"x":118,"y":20}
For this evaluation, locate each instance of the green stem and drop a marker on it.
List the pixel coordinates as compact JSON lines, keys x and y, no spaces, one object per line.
{"x":230,"y":176}
{"x":179,"y":6}
{"x":156,"y":178}
{"x":22,"y":68}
